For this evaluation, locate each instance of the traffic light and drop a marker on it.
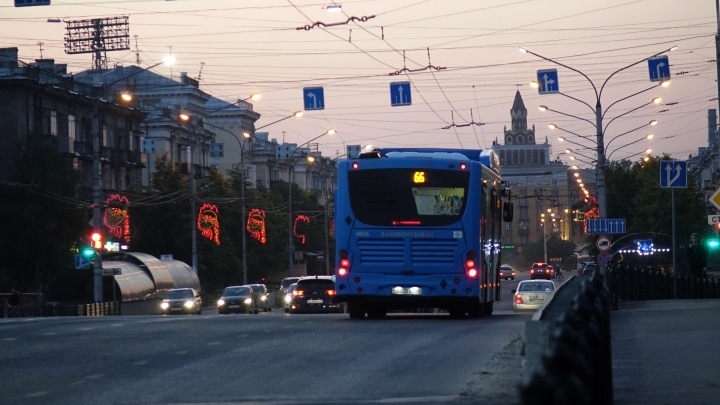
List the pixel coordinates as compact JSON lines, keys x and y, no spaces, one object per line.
{"x":88,"y":252}
{"x":712,"y":243}
{"x":96,"y":240}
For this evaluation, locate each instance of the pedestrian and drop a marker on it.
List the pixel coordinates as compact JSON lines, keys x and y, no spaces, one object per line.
{"x":559,"y":275}
{"x":696,"y":257}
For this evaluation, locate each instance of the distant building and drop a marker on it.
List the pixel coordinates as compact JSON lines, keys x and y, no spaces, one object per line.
{"x":537,"y":184}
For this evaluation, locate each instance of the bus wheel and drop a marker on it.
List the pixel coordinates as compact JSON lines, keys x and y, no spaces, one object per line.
{"x":377,"y":313}
{"x":356,"y":311}
{"x":488,"y":308}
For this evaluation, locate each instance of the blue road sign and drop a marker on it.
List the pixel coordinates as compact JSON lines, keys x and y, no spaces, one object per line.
{"x":673,"y":174}
{"x":659,"y":68}
{"x":314,"y":98}
{"x":548,"y":81}
{"x":24,"y":3}
{"x":400,"y":94}
{"x":606,"y":225}
{"x":81,"y":262}
{"x":604,"y":258}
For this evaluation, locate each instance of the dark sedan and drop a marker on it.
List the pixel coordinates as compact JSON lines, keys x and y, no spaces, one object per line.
{"x":236,"y":299}
{"x":314,"y":294}
{"x":181,"y":301}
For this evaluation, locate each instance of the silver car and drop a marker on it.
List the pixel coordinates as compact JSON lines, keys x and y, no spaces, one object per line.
{"x":261,"y":297}
{"x":532,"y":294}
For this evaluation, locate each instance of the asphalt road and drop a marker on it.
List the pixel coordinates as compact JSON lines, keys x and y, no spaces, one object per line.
{"x":270,"y":358}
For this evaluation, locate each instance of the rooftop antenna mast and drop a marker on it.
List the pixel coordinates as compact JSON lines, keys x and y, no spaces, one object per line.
{"x":97,"y":36}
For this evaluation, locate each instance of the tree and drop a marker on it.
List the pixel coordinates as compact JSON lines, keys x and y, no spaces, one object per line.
{"x":43,"y":220}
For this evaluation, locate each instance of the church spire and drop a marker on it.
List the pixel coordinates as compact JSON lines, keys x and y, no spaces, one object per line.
{"x":518,"y":113}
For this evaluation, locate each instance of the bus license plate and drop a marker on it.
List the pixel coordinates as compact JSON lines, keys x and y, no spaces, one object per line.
{"x":406,"y":290}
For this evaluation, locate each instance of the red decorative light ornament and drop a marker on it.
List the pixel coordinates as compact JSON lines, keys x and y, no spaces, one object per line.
{"x":208,"y":222}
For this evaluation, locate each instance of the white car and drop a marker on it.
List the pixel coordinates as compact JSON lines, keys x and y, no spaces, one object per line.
{"x":287,"y":299}
{"x":531,"y":295}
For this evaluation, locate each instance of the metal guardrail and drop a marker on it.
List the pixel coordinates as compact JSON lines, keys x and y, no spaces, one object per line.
{"x":567,"y":346}
{"x":632,"y":282}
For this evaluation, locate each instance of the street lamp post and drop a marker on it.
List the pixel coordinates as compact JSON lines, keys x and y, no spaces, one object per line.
{"x":600,"y":165}
{"x":544,"y":238}
{"x":246,"y":136}
{"x":241,"y":143}
{"x":290,"y":222}
{"x":96,"y":187}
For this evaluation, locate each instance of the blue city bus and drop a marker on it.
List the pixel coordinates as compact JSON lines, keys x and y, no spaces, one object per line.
{"x":419,"y":228}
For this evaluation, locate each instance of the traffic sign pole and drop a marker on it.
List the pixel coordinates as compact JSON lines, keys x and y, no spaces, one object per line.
{"x":674,"y":271}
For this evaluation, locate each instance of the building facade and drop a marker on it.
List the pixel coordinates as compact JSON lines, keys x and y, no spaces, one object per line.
{"x":544,"y":191}
{"x":42,"y":98}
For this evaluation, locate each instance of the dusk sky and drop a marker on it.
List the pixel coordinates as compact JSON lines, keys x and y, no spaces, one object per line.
{"x":474,"y":68}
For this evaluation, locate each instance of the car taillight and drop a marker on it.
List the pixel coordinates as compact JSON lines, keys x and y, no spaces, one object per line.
{"x":330,"y":292}
{"x":297,"y":293}
{"x":532,"y":271}
{"x":518,"y":299}
{"x":470,"y":268}
{"x":344,"y":263}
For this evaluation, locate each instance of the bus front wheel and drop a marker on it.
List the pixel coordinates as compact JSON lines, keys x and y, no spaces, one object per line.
{"x":356,"y":311}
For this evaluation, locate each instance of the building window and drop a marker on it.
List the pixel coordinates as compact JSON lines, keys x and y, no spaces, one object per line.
{"x":507,"y":226}
{"x":523,"y":240}
{"x":523,"y":213}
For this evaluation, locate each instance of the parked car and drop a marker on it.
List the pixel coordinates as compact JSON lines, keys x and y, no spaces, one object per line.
{"x":541,"y":270}
{"x":314,"y":294}
{"x":507,"y":272}
{"x":532,"y":294}
{"x":181,"y":301}
{"x":261,"y":298}
{"x":287,"y":298}
{"x":588,"y":269}
{"x":237,"y":299}
{"x":285,"y":283}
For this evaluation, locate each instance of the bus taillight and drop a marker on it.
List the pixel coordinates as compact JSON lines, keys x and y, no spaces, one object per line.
{"x":463,"y":166}
{"x":470,"y":268}
{"x":344,"y":263}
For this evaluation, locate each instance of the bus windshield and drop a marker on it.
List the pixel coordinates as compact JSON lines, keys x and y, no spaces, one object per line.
{"x":414,"y":197}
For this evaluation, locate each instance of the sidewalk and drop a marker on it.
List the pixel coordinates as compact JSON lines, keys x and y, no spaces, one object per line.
{"x":666,"y":352}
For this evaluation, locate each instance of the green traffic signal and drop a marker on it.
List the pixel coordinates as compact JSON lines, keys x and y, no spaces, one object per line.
{"x":713,"y":243}
{"x":88,"y":252}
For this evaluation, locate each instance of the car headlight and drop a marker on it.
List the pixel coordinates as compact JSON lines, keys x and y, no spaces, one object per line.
{"x":248,"y":301}
{"x":189,"y":304}
{"x":263,"y":298}
{"x":288,"y":298}
{"x":221,"y":302}
{"x":165,"y":305}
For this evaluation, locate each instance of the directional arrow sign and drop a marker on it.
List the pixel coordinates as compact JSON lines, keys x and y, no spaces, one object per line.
{"x":314,"y":98}
{"x":548,"y":82}
{"x":659,"y":68}
{"x":606,"y":225}
{"x":400,"y":94}
{"x":673,"y":174}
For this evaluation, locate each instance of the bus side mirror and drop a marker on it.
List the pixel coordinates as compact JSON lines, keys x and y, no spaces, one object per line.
{"x":507,"y":211}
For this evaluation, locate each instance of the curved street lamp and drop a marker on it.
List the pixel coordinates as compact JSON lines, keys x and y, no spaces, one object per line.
{"x":600,"y":144}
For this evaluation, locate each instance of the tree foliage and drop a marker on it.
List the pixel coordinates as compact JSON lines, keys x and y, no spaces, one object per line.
{"x":42,"y":221}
